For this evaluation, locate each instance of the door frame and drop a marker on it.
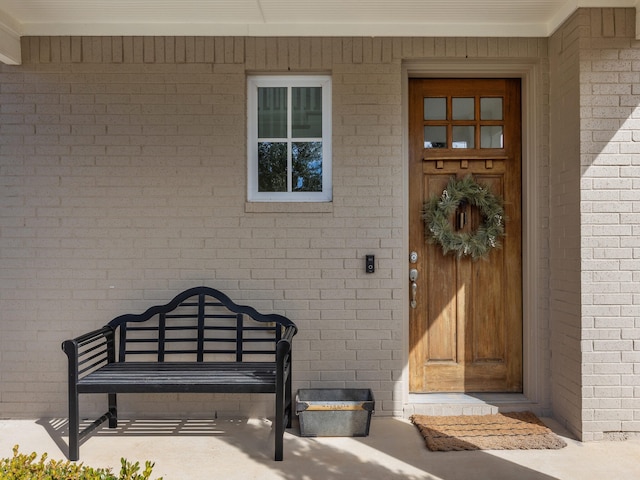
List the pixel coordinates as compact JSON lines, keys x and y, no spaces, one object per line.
{"x":529,"y":70}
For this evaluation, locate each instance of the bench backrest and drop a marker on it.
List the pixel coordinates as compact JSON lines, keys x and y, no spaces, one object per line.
{"x":200,"y":324}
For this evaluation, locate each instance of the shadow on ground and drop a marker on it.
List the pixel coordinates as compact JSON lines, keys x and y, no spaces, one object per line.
{"x":241,"y":449}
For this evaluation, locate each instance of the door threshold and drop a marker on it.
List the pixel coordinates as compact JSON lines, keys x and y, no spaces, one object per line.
{"x":468,"y":404}
{"x":478,"y":398}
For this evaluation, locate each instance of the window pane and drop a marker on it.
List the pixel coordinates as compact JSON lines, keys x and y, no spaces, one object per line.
{"x":435,"y":137}
{"x":307,"y":112}
{"x":464,"y":137}
{"x":435,"y":108}
{"x":491,"y":137}
{"x":272,"y":167}
{"x":491,"y":108}
{"x":307,"y":166}
{"x":463,"y":108}
{"x":272,"y":112}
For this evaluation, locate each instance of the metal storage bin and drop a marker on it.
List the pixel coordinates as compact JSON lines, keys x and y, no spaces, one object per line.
{"x":334,"y":412}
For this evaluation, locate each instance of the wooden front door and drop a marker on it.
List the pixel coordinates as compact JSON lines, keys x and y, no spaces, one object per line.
{"x":466,"y":317}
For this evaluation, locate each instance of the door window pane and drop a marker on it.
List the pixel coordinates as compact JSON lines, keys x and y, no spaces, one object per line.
{"x":435,"y":108}
{"x":490,"y":108}
{"x":435,"y":137}
{"x":306,"y":103}
{"x":272,"y":167}
{"x":306,"y":160}
{"x":491,"y":137}
{"x":463,"y":108}
{"x":464,"y":137}
{"x":272,"y":112}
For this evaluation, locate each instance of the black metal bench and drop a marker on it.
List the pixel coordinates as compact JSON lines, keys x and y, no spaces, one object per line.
{"x":200,"y":342}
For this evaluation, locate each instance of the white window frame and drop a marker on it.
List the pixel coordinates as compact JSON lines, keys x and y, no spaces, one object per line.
{"x":257,"y":81}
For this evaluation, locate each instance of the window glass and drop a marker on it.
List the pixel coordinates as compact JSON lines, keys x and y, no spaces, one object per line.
{"x":464,"y":137}
{"x":435,"y":108}
{"x":272,"y":112}
{"x":307,"y":112}
{"x":272,"y":167}
{"x":435,"y":137}
{"x":490,"y":108}
{"x":491,"y":137}
{"x":307,"y":166}
{"x":463,"y":108}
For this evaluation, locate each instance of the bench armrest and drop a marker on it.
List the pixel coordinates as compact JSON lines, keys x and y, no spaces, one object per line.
{"x":283,"y":351}
{"x":283,"y":347}
{"x":89,"y":351}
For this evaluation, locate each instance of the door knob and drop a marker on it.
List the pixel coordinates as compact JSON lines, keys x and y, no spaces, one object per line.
{"x":413,"y":276}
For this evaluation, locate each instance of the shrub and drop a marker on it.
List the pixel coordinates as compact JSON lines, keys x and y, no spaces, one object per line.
{"x":27,"y":467}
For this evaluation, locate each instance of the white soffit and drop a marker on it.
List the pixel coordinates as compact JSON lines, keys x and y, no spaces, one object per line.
{"x":459,"y":18}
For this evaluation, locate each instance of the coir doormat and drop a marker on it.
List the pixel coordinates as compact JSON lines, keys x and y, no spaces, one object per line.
{"x":503,"y":431}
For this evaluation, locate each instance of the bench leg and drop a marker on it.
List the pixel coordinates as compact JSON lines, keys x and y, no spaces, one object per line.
{"x":74,"y":425}
{"x":280,"y":411}
{"x":113,"y":411}
{"x":288,"y":398}
{"x":279,"y":441}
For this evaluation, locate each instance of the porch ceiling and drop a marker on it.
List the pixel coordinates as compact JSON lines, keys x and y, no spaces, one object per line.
{"x":530,"y":18}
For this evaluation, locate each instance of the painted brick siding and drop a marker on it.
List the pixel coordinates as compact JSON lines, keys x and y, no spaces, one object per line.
{"x":564,"y":238}
{"x":123,"y":175}
{"x":123,"y":180}
{"x":610,"y":202}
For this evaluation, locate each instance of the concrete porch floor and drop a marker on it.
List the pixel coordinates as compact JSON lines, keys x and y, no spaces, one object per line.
{"x":243,"y":449}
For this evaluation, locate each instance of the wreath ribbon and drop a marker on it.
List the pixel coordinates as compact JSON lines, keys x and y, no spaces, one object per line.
{"x":439,"y":209}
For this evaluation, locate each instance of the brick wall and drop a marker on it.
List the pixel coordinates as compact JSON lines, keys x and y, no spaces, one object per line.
{"x":123,"y":180}
{"x":610,"y":201}
{"x":123,"y":170}
{"x":564,"y":224}
{"x":594,"y":292}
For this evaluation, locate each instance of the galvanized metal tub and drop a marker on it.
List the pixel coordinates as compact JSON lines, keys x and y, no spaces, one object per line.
{"x":335,"y":412}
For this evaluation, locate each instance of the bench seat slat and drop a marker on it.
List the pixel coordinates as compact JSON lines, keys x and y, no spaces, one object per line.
{"x":202,"y":377}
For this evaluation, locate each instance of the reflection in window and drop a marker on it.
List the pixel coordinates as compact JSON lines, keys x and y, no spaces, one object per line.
{"x":463,"y":108}
{"x":307,"y":166}
{"x":272,"y":112}
{"x":435,"y":108}
{"x":464,"y":137}
{"x":272,"y":167}
{"x":490,"y":108}
{"x":491,"y":137}
{"x":306,"y":112}
{"x":435,"y":137}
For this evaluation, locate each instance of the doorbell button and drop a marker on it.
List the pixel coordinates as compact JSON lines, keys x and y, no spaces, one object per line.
{"x":370,"y":263}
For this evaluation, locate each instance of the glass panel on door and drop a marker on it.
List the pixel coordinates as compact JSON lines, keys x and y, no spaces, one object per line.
{"x":491,"y":137}
{"x":463,"y":108}
{"x":435,"y":137}
{"x":464,"y":137}
{"x":435,"y":108}
{"x":490,"y":108}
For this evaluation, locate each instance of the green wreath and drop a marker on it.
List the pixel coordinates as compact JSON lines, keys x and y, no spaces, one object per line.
{"x":438,"y":211}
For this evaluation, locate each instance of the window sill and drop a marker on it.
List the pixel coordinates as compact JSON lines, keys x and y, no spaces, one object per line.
{"x":286,"y":207}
